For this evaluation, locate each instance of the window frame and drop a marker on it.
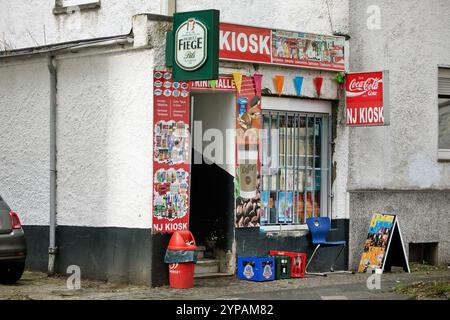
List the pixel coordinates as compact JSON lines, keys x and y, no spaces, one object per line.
{"x":60,"y":8}
{"x":443,"y":154}
{"x":312,"y":109}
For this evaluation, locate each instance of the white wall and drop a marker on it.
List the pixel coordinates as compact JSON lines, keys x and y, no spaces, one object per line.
{"x":22,"y":23}
{"x":105,"y":140}
{"x":28,"y":23}
{"x":297,"y":15}
{"x":24,"y":139}
{"x":217,"y":111}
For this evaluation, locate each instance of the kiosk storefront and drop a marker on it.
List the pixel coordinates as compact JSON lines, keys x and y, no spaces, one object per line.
{"x":259,"y":159}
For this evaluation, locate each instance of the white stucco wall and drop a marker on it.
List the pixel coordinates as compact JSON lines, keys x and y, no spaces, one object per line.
{"x":24,"y":139}
{"x":297,"y":15}
{"x":32,"y":22}
{"x":29,"y":23}
{"x":412,"y":41}
{"x":105,"y":140}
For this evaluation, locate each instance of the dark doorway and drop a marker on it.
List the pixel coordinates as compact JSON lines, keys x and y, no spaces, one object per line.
{"x":212,"y":186}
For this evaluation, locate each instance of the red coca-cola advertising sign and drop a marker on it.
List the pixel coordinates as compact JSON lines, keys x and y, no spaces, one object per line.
{"x":366,"y":97}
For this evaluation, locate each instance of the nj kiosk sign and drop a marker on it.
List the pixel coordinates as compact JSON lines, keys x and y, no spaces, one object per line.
{"x":194,"y":44}
{"x":367,"y":98}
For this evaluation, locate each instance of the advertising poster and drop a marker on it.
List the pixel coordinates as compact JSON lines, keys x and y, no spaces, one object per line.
{"x":366,"y":98}
{"x":307,"y":50}
{"x":171,"y":140}
{"x":247,"y":181}
{"x":296,"y":49}
{"x":285,"y":207}
{"x":376,"y":243}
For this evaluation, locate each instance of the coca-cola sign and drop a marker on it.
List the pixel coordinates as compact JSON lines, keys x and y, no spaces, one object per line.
{"x":366,"y":97}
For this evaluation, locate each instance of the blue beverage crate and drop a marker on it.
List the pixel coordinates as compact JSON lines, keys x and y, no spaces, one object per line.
{"x":256,"y":268}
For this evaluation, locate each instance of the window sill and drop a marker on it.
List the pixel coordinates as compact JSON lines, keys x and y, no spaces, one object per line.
{"x":302,"y":227}
{"x":71,"y":9}
{"x":444,"y":155}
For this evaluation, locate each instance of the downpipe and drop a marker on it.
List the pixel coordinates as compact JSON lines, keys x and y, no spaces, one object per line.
{"x":52,"y":249}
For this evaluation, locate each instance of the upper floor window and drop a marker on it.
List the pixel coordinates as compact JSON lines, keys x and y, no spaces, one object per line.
{"x":68,"y":6}
{"x":444,"y":113}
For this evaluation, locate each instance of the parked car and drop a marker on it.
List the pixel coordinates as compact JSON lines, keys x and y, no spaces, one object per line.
{"x":13,"y":247}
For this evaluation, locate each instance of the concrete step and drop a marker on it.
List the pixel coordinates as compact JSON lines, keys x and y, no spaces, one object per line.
{"x":200,"y":252}
{"x":205,"y":266}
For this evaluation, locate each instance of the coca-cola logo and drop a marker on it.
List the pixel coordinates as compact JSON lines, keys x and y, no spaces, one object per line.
{"x":369,"y":86}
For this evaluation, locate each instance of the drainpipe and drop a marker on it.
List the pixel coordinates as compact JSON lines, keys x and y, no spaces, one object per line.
{"x":52,"y":249}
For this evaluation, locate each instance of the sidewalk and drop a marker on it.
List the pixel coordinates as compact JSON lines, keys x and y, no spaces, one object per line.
{"x":37,"y":286}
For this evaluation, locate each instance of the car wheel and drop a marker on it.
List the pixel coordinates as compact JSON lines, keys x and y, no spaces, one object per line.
{"x":11,"y":272}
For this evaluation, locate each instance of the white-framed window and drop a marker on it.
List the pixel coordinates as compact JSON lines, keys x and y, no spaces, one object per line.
{"x":69,"y":6}
{"x":294,"y":148}
{"x":444,"y":112}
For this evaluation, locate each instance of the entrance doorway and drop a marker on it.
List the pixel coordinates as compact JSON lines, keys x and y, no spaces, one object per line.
{"x":212,"y":182}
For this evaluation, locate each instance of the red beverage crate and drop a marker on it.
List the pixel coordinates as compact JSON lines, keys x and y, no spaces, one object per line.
{"x":298,"y":263}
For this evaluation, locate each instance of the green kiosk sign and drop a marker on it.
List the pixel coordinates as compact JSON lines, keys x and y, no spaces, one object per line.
{"x":193,"y":45}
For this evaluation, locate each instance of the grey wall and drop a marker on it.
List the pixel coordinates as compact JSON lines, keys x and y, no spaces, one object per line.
{"x":423,"y":217}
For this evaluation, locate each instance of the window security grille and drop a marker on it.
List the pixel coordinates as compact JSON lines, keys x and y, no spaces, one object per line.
{"x":295,"y":178}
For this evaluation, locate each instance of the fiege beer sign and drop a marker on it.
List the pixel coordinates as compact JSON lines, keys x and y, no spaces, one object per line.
{"x":191,"y":45}
{"x":366,"y":98}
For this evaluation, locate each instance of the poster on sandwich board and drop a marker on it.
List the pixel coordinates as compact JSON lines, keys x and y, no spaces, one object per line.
{"x":384,"y":246}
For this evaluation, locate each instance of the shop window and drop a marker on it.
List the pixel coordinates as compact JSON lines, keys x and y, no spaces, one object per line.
{"x":294,"y":167}
{"x":70,"y":6}
{"x":444,"y":113}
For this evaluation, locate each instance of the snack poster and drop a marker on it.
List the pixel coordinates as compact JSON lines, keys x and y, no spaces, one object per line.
{"x":376,"y":245}
{"x":171,"y":140}
{"x":247,"y":181}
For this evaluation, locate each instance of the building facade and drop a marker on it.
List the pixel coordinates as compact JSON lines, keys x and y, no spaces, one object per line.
{"x":104,"y":55}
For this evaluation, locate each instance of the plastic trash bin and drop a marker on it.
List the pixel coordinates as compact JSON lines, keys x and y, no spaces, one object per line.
{"x":181,"y":257}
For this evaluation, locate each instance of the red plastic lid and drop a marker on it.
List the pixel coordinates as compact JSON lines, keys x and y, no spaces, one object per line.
{"x":182,"y":240}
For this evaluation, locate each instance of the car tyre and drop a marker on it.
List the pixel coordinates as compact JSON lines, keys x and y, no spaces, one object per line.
{"x":11,"y":272}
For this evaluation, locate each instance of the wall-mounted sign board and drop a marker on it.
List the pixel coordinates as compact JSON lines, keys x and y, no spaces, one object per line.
{"x":367,"y":96}
{"x":384,"y":246}
{"x":195,"y":45}
{"x":171,"y":153}
{"x":269,"y":46}
{"x":281,"y":47}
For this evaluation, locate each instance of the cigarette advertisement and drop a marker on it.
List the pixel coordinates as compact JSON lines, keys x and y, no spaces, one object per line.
{"x":247,"y":180}
{"x":171,"y":140}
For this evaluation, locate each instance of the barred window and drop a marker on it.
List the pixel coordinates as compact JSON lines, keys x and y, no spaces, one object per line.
{"x":294,"y":167}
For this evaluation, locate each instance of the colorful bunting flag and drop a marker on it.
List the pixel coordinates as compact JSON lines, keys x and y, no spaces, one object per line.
{"x":279,"y":83}
{"x":237,"y":77}
{"x":298,"y":83}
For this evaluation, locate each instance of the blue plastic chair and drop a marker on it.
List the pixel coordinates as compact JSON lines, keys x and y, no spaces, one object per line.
{"x":319,"y":228}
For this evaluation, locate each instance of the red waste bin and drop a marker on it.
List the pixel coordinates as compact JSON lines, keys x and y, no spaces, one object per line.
{"x":181,"y":275}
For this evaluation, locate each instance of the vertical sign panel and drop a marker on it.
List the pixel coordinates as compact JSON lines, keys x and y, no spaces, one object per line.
{"x":171,"y":134}
{"x":247,"y":181}
{"x":376,"y":243}
{"x":366,"y":98}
